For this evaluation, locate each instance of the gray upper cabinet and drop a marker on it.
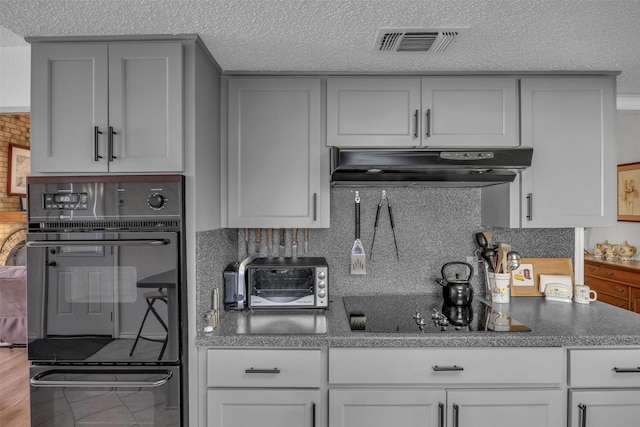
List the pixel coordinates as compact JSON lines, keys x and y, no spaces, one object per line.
{"x":569,"y":122}
{"x":460,"y":111}
{"x":373,"y":112}
{"x":275,"y":157}
{"x":107,"y":107}
{"x":470,"y":112}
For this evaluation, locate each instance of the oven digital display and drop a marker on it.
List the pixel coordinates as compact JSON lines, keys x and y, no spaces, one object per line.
{"x":65,"y":198}
{"x":73,"y":201}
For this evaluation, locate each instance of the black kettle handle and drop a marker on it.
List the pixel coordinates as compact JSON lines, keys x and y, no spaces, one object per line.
{"x":469,"y":266}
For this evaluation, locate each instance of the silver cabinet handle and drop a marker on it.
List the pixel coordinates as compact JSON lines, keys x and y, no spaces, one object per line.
{"x":134,"y":242}
{"x":627,"y":370}
{"x":253,"y":370}
{"x":96,"y":132}
{"x":441,"y":414}
{"x":37,"y":380}
{"x":110,"y":144}
{"x":428,"y":123}
{"x":447,"y":368}
{"x":456,"y":409}
{"x":415,"y":123}
{"x":582,"y":415}
{"x":530,"y":206}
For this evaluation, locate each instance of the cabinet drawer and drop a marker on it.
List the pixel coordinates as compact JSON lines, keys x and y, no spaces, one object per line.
{"x":619,"y":275}
{"x":604,"y":368}
{"x":592,"y":269}
{"x":263,"y":368}
{"x":445,"y":365}
{"x":617,"y":290}
{"x":618,"y":302}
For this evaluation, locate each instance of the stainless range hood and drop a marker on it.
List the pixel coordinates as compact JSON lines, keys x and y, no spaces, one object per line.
{"x":455,"y":167}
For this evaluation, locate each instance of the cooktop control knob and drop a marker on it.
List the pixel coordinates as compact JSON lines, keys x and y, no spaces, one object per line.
{"x":157,"y":201}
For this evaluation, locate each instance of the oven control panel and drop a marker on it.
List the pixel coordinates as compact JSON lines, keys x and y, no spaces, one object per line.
{"x":70,"y":201}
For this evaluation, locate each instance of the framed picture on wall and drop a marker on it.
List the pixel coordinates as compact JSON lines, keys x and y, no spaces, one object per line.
{"x":19,"y":167}
{"x":629,"y":192}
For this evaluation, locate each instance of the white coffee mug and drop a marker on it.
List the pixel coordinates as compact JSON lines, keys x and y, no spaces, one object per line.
{"x":582,"y":294}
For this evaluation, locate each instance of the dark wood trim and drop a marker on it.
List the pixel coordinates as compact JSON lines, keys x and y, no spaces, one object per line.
{"x":41,"y":179}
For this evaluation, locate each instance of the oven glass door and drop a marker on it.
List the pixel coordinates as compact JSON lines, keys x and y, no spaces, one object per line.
{"x":103,"y":297}
{"x":78,"y":396}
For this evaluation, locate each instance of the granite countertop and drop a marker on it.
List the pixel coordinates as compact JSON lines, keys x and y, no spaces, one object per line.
{"x":553,"y":324}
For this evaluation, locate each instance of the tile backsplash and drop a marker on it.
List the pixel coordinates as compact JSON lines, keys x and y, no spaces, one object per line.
{"x":433,"y":226}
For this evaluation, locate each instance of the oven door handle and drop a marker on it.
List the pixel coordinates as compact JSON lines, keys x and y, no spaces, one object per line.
{"x":133,"y":242}
{"x":37,"y":380}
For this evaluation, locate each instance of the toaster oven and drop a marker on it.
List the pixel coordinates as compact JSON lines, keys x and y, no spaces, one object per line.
{"x":288,"y":283}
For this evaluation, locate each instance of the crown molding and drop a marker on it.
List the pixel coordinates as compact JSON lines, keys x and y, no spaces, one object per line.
{"x":628,"y":102}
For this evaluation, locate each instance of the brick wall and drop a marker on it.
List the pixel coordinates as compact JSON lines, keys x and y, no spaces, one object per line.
{"x":15,"y":128}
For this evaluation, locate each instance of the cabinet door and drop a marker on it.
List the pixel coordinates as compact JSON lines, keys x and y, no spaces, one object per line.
{"x":69,"y":98}
{"x":506,"y":408}
{"x":373,"y":112}
{"x":635,"y":299}
{"x":274,"y":154}
{"x":145,"y":107}
{"x":572,"y":180}
{"x":384,"y":408}
{"x":595,"y":408}
{"x":262,"y":408}
{"x":469,"y":112}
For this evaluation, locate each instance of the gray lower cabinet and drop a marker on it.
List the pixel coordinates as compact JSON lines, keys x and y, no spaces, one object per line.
{"x":569,"y":122}
{"x":604,"y":387}
{"x":107,"y":107}
{"x":275,"y":158}
{"x":387,"y":407}
{"x":262,"y":408}
{"x":468,"y":111}
{"x":254,"y":387}
{"x":450,"y":387}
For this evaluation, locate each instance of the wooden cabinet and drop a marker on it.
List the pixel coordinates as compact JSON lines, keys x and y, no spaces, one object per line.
{"x":462,"y":111}
{"x":264,"y":387}
{"x":445,"y":386}
{"x":569,"y":122}
{"x":275,"y":157}
{"x":616,"y":282}
{"x":604,"y":387}
{"x":107,"y":107}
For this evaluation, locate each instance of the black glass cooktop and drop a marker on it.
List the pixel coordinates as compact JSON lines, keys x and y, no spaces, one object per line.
{"x":424,"y":314}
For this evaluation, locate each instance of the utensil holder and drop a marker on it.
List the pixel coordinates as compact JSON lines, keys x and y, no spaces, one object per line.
{"x":501,"y":292}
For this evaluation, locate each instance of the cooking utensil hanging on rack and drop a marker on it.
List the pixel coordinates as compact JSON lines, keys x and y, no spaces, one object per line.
{"x":270,"y":241}
{"x":281,"y":248}
{"x":358,"y":257}
{"x":384,"y":199}
{"x":294,"y":242}
{"x":258,"y":240}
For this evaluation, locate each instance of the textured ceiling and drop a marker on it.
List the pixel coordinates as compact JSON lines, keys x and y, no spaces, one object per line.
{"x":338,"y":35}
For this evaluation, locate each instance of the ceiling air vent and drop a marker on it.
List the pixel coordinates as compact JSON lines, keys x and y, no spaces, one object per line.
{"x":415,"y":40}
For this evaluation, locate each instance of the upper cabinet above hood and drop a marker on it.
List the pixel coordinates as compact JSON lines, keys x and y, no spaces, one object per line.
{"x":459,"y":167}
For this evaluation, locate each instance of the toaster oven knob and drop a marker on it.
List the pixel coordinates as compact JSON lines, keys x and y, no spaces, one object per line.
{"x":322,"y":284}
{"x":157,"y":201}
{"x":322,"y":275}
{"x":322,"y":293}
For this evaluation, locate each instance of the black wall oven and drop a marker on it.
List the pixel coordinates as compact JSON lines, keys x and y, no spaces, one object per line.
{"x":105,"y":297}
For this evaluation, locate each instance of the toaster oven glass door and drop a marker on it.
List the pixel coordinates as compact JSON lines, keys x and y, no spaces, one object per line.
{"x":277,"y":287}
